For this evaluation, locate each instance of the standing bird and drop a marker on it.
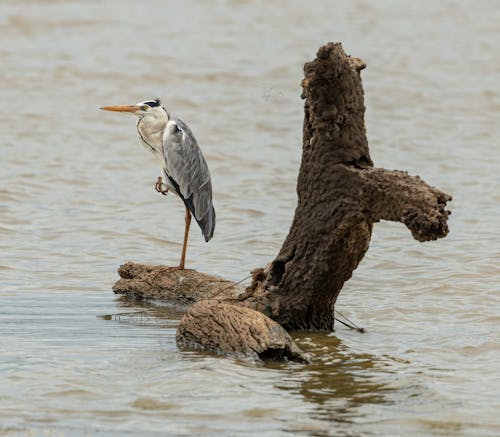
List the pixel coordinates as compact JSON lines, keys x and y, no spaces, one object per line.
{"x":185,"y":170}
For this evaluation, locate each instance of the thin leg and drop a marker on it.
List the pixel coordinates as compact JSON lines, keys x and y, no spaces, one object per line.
{"x":186,"y":234}
{"x":164,"y":270}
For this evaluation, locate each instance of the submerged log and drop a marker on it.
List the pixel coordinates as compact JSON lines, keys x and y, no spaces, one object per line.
{"x":340,"y":196}
{"x":225,"y":328}
{"x":215,"y":323}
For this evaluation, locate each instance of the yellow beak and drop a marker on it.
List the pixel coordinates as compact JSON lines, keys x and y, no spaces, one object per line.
{"x":122,"y":108}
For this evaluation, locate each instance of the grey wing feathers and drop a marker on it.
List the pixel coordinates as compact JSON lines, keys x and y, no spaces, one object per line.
{"x":187,"y":167}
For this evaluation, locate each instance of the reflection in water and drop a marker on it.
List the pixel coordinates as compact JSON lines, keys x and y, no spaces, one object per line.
{"x":337,"y":384}
{"x":339,"y":381}
{"x":143,"y":313}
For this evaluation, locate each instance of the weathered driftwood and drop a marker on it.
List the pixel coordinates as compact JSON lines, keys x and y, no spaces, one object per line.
{"x":340,"y":196}
{"x":178,"y":287}
{"x":237,"y":331}
{"x":233,"y":330}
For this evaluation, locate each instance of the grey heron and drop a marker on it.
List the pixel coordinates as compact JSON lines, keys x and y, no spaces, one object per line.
{"x":185,"y":171}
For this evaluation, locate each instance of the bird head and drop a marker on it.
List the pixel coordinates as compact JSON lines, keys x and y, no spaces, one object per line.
{"x":148,"y":108}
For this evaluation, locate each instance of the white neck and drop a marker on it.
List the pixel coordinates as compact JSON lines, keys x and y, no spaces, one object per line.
{"x":150,"y":129}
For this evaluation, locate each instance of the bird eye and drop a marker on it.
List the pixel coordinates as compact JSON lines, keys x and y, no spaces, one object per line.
{"x":153,"y":103}
{"x":144,"y":107}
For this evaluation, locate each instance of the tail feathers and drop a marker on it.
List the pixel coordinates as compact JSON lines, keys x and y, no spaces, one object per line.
{"x":207,"y":224}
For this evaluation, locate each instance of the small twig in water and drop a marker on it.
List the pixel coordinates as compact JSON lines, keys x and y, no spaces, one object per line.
{"x":350,"y":324}
{"x":231,"y":285}
{"x":118,"y":315}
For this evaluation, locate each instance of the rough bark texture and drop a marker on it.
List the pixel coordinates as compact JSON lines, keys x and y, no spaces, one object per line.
{"x":178,"y":287}
{"x":236,"y":331}
{"x":216,"y":322}
{"x":340,"y":196}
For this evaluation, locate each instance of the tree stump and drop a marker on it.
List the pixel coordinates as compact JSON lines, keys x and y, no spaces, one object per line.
{"x":340,"y":195}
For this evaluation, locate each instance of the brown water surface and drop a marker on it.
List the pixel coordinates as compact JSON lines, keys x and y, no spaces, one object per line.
{"x":77,"y":199}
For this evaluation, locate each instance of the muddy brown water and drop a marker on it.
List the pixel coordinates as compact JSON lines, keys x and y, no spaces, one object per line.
{"x":77,"y":199}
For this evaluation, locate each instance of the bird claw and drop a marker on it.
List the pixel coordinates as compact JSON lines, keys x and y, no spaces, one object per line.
{"x":164,"y":270}
{"x":159,"y":186}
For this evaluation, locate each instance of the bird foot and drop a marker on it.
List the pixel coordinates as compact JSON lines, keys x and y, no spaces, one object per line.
{"x":159,"y":186}
{"x":163,"y":270}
